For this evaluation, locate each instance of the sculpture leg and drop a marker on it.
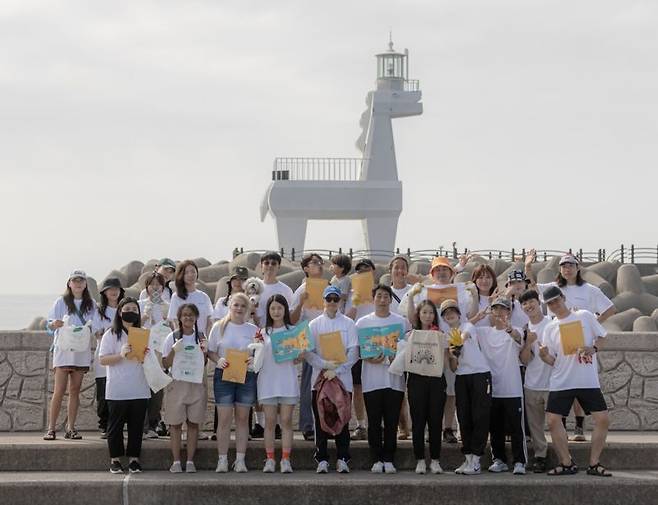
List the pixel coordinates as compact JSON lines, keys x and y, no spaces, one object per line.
{"x":291,"y":233}
{"x":380,"y":233}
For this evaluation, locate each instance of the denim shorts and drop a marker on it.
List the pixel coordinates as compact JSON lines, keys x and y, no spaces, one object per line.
{"x":279,"y":400}
{"x":232,"y":393}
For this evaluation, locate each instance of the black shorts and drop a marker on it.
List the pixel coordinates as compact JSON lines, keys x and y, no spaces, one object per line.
{"x":356,"y":372}
{"x":560,"y":402}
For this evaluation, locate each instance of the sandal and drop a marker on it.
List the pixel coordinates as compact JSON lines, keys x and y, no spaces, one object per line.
{"x":50,"y":435}
{"x":599,"y":470}
{"x":561,"y":469}
{"x":72,"y":435}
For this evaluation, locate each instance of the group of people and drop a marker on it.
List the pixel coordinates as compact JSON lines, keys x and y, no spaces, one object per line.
{"x":512,"y":358}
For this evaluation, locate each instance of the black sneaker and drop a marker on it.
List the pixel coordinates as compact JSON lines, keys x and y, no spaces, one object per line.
{"x":309,"y":436}
{"x":539,"y":466}
{"x":257,"y":431}
{"x":161,"y":429}
{"x":449,"y":436}
{"x":115,"y":467}
{"x":277,"y":432}
{"x":134,"y":466}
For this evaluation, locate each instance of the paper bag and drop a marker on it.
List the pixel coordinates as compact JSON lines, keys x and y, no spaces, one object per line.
{"x":314,"y":288}
{"x":572,"y":337}
{"x":138,"y":338}
{"x":439,"y":295}
{"x":236,"y":371}
{"x":424,"y":353}
{"x":155,"y":377}
{"x":331,"y":347}
{"x":362,"y":285}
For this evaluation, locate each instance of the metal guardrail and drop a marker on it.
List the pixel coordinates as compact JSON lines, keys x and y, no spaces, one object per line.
{"x":630,"y":254}
{"x":317,"y":169}
{"x":411,"y":85}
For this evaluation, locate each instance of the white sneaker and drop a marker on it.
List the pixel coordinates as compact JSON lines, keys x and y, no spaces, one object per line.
{"x":473,"y":467}
{"x":190,"y":467}
{"x":435,"y":466}
{"x":342,"y":467}
{"x":150,"y":434}
{"x":389,"y":468}
{"x":285,"y":465}
{"x":421,"y":467}
{"x":176,"y":467}
{"x":377,"y":467}
{"x":222,"y":465}
{"x":467,"y":461}
{"x":323,"y":467}
{"x":270,"y":466}
{"x":498,"y":466}
{"x":519,"y":469}
{"x":202,"y":436}
{"x":239,"y":466}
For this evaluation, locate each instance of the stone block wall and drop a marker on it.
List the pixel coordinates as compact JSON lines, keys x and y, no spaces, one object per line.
{"x":628,"y":368}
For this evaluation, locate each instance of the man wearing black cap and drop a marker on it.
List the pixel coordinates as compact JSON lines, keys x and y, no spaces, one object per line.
{"x":571,"y":342}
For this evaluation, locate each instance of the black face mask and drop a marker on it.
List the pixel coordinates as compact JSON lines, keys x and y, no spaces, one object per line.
{"x":130,"y":317}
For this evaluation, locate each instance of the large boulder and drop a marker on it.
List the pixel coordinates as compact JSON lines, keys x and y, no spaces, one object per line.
{"x":629,"y":280}
{"x":606,"y":269}
{"x":38,"y":324}
{"x":119,"y":275}
{"x":132,"y":271}
{"x":249,"y":260}
{"x":92,"y":286}
{"x":622,"y":321}
{"x":644,"y":302}
{"x":645,"y":323}
{"x":201,"y":262}
{"x":213,"y":273}
{"x":598,"y":281}
{"x":293,"y":279}
{"x":651,"y":284}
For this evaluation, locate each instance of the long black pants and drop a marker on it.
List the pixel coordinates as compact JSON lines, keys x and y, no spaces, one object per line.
{"x":473,"y":396}
{"x":427,"y":399}
{"x":154,"y":406}
{"x":101,"y":404}
{"x":122,"y":412}
{"x":383,"y":405}
{"x":321,"y":437}
{"x":507,"y":417}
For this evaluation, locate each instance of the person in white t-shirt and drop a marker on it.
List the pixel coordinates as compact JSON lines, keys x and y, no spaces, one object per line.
{"x":313,"y":267}
{"x":234,"y":285}
{"x":278,"y":387}
{"x":579,"y":295}
{"x":537,"y":376}
{"x":167,"y":268}
{"x":517,"y":283}
{"x":185,"y":399}
{"x":74,"y":308}
{"x":187,"y":274}
{"x":330,"y":321}
{"x":574,"y":377}
{"x":233,"y":333}
{"x":472,"y":387}
{"x":111,"y":294}
{"x":398,"y":269}
{"x":270,"y":263}
{"x":127,"y":391}
{"x":486,"y":283}
{"x":383,"y":392}
{"x":443,"y":273}
{"x":501,"y":345}
{"x":341,"y":265}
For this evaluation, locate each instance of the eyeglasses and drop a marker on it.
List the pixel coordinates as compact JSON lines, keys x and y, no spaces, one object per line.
{"x":316,"y":262}
{"x":332,"y":299}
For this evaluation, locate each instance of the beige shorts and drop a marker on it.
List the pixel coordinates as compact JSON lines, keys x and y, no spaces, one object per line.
{"x":185,"y":401}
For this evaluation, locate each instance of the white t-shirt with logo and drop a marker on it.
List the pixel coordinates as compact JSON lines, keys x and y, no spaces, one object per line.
{"x":375,"y":375}
{"x":325,"y":324}
{"x":276,"y":379}
{"x":69,"y":358}
{"x":236,"y":336}
{"x":399,"y":292}
{"x":538,"y":373}
{"x":568,"y":372}
{"x":471,"y":359}
{"x":502,"y":353}
{"x":277,"y":288}
{"x":125,"y":379}
{"x":196,"y":297}
{"x":584,"y":297}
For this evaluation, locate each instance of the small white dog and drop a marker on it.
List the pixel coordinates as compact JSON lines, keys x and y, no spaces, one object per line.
{"x":253,"y":288}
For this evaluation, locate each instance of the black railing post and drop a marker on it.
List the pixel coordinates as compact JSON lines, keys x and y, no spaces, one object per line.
{"x":408,"y":252}
{"x":545,"y":256}
{"x":292,"y":254}
{"x":490,"y":255}
{"x":282,"y":253}
{"x":622,"y":253}
{"x":632,"y":253}
{"x":241,"y":250}
{"x":397,"y":251}
{"x":513,"y":255}
{"x":603,"y":255}
{"x":580,"y":255}
{"x":523,"y":255}
{"x":235,"y":252}
{"x":351,"y":253}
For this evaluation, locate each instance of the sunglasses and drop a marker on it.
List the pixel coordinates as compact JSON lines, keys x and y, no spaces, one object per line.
{"x":332,"y":299}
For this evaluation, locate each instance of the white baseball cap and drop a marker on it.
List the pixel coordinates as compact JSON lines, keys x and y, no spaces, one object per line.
{"x":78,"y":274}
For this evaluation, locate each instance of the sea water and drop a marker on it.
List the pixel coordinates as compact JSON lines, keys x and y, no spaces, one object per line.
{"x":18,"y":311}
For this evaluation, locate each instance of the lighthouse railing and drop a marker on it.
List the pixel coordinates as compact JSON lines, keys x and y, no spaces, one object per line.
{"x":317,"y":169}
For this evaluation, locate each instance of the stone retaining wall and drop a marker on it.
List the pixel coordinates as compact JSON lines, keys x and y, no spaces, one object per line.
{"x":629,"y":378}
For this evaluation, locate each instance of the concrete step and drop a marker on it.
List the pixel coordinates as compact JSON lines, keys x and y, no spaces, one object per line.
{"x":28,"y":452}
{"x":308,"y":488}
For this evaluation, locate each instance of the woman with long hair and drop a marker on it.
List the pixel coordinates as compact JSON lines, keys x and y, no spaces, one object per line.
{"x":76,"y":307}
{"x":187,"y":274}
{"x":233,"y":332}
{"x":485,"y":281}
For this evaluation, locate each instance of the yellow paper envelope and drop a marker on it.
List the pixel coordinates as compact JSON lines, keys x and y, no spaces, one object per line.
{"x":314,"y":288}
{"x":138,"y":338}
{"x":362,"y":285}
{"x":331,"y":347}
{"x":236,"y":371}
{"x":572,"y":337}
{"x":440,"y":295}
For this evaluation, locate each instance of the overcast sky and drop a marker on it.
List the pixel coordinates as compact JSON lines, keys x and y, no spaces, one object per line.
{"x":135,"y":129}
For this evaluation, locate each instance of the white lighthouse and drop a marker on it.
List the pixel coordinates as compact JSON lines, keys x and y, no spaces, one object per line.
{"x":365,"y":188}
